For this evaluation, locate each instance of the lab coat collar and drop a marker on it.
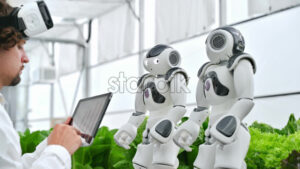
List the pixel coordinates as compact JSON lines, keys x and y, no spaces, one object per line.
{"x":2,"y":100}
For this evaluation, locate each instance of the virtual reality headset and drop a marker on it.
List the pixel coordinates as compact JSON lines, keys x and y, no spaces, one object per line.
{"x":30,"y":19}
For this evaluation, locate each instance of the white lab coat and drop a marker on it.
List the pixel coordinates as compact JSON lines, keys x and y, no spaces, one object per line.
{"x":44,"y":157}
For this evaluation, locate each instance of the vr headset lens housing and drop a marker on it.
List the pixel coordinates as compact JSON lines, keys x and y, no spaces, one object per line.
{"x":30,"y":19}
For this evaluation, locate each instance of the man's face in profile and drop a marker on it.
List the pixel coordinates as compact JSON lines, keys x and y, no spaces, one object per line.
{"x":12,"y":63}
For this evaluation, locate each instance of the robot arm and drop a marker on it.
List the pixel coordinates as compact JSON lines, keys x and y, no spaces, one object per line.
{"x":162,"y":131}
{"x":188,"y":132}
{"x":178,"y":88}
{"x":127,"y":132}
{"x":244,"y":87}
{"x":227,"y":126}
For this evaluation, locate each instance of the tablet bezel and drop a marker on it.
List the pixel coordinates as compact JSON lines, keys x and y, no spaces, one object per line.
{"x":107,"y":101}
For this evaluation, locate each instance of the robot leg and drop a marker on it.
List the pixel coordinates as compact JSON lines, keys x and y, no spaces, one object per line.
{"x":165,"y":155}
{"x":232,"y":155}
{"x":143,"y":156}
{"x":206,"y":156}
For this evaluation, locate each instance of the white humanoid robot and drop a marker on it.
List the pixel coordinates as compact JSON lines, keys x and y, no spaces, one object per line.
{"x":162,"y":92}
{"x":225,"y":89}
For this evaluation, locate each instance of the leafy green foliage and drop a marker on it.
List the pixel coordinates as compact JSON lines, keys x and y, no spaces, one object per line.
{"x":292,"y":162}
{"x":291,"y":127}
{"x":29,"y":141}
{"x":105,"y":153}
{"x":268,"y":148}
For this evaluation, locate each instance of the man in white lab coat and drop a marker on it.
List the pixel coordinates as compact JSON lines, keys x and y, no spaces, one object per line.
{"x":54,"y":152}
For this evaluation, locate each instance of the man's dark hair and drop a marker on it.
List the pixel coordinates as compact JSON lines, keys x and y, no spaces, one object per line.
{"x":9,"y":36}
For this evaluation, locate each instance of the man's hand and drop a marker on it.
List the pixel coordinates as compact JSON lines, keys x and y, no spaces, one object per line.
{"x":68,"y":121}
{"x":66,"y":136}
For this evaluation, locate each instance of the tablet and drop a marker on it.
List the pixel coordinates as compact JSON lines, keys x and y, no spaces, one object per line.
{"x":88,"y":115}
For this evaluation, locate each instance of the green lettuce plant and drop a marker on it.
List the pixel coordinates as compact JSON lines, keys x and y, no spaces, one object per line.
{"x":269,"y":148}
{"x":292,"y":162}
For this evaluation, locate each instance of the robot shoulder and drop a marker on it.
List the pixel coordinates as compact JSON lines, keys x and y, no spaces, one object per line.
{"x":203,"y":69}
{"x":234,"y":60}
{"x":142,"y":79}
{"x":171,"y":73}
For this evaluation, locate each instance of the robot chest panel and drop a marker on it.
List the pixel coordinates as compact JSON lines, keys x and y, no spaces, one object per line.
{"x":156,"y":92}
{"x":218,"y":84}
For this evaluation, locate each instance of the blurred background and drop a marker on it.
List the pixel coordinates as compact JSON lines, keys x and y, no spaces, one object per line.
{"x":97,"y":46}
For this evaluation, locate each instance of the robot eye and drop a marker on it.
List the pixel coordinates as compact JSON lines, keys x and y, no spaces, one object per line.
{"x":156,"y":61}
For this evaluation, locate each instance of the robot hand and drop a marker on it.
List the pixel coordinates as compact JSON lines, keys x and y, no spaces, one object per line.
{"x":186,"y":135}
{"x":225,"y":129}
{"x":162,"y":131}
{"x":125,"y":135}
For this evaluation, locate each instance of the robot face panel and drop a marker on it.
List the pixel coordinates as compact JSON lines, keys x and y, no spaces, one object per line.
{"x":160,"y":59}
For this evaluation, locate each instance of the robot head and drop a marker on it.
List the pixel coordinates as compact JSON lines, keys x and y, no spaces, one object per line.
{"x":223,"y":43}
{"x":160,"y":59}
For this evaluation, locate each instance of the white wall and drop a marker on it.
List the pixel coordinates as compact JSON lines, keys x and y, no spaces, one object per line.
{"x":273,"y":41}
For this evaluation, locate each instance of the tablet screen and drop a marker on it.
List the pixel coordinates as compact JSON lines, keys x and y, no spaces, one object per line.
{"x":88,"y":115}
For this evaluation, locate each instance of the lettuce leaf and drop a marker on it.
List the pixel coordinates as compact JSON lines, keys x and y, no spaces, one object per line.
{"x":270,"y":148}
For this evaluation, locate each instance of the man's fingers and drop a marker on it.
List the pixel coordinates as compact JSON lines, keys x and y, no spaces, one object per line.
{"x":68,"y":121}
{"x":77,"y":131}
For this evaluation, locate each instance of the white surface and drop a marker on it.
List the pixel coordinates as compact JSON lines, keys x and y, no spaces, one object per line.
{"x":70,"y":8}
{"x":181,"y":19}
{"x":274,"y":111}
{"x":120,"y":78}
{"x":258,"y":7}
{"x":274,"y":43}
{"x":116,"y":32}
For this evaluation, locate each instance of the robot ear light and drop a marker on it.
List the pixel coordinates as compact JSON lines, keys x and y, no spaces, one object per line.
{"x":174,"y":58}
{"x":239,"y":42}
{"x":218,"y":41}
